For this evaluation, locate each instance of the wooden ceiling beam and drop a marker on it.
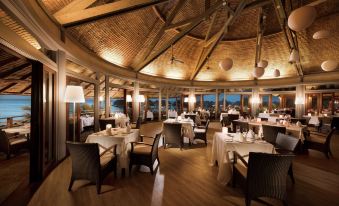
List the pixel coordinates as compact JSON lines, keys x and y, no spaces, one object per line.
{"x":25,"y":89}
{"x":7,"y":61}
{"x":77,"y":17}
{"x":206,"y":52}
{"x":208,"y":33}
{"x":260,"y":34}
{"x":7,"y":87}
{"x":75,"y":5}
{"x":181,"y":34}
{"x":13,"y":70}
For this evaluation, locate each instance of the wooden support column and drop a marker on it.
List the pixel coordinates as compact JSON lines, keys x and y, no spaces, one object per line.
{"x":300,"y":101}
{"x":201,"y":101}
{"x":135,"y":102}
{"x":61,"y":105}
{"x":255,"y":105}
{"x":107,"y":98}
{"x":125,"y":102}
{"x":159,"y":108}
{"x":224,"y":102}
{"x":216,"y":103}
{"x":96,"y":103}
{"x":166,"y":103}
{"x":190,"y":98}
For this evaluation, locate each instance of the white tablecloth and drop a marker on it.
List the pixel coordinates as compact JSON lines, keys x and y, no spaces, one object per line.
{"x":186,"y":125}
{"x":314,"y":120}
{"x":222,"y":151}
{"x":86,"y":121}
{"x":21,"y":130}
{"x":173,"y":114}
{"x":121,"y":139}
{"x":223,"y":115}
{"x":149,"y":115}
{"x":264,"y":115}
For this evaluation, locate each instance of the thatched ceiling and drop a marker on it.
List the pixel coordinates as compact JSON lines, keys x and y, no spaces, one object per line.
{"x":124,"y":38}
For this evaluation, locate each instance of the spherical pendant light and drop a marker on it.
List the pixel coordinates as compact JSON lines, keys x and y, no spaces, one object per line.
{"x":329,"y":65}
{"x":301,"y":18}
{"x":226,"y":64}
{"x":294,"y":56}
{"x":263,"y":63}
{"x":258,"y":72}
{"x":322,"y":34}
{"x":276,"y":73}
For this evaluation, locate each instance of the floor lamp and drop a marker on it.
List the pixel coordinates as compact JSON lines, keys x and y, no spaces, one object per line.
{"x":74,"y":94}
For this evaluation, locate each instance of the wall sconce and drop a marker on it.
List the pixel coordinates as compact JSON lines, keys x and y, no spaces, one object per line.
{"x":186,"y":99}
{"x":255,"y":100}
{"x":128,"y":98}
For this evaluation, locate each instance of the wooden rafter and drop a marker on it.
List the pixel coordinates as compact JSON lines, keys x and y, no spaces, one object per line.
{"x":162,"y":30}
{"x":207,"y":51}
{"x":81,"y":14}
{"x":7,"y":87}
{"x":16,"y":81}
{"x":290,"y":36}
{"x":14,"y":70}
{"x":7,"y":61}
{"x":25,"y":89}
{"x":208,"y":33}
{"x":181,"y":34}
{"x":260,"y":34}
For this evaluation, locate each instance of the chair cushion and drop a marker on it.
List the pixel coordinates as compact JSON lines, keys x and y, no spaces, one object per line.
{"x":316,"y":138}
{"x":106,"y":158}
{"x":14,"y":141}
{"x":242,"y":169}
{"x":142,"y":149}
{"x":199,"y":130}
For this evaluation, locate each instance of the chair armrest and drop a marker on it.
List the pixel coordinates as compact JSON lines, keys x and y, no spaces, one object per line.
{"x":237,"y":156}
{"x":142,"y":137}
{"x":201,"y":127}
{"x":114,"y":147}
{"x":132,"y":144}
{"x":318,"y":133}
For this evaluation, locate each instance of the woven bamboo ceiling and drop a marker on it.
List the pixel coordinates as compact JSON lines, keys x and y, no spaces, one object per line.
{"x":140,"y":37}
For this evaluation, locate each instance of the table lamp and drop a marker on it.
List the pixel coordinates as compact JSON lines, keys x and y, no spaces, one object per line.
{"x":74,"y":94}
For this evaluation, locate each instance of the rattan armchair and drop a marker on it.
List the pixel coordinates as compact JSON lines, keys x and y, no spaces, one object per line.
{"x":319,"y":141}
{"x":264,"y":174}
{"x":104,"y":122}
{"x":12,"y":143}
{"x":137,"y":123}
{"x":225,"y":122}
{"x":89,"y":164}
{"x":201,"y":132}
{"x":243,"y":126}
{"x":270,"y":132}
{"x":144,"y":154}
{"x":172,"y":134}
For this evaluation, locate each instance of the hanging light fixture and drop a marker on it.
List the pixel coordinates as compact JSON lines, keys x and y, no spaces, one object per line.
{"x":329,"y":65}
{"x":276,"y":73}
{"x":322,"y":34}
{"x":226,"y":64}
{"x":186,"y":99}
{"x":294,"y":56}
{"x":263,"y":63}
{"x":301,"y":18}
{"x":128,"y":98}
{"x":258,"y":72}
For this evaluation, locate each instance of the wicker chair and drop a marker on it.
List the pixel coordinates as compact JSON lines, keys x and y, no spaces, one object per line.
{"x":233,"y":117}
{"x":303,"y":121}
{"x":201,"y":132}
{"x":335,"y":122}
{"x":144,"y":154}
{"x":270,"y":132}
{"x":286,"y":144}
{"x":88,"y":164}
{"x":104,"y":122}
{"x":265,"y":175}
{"x":173,"y":135}
{"x":12,"y":143}
{"x":192,"y":117}
{"x":319,"y":141}
{"x":225,"y":122}
{"x":244,"y":126}
{"x":137,"y":123}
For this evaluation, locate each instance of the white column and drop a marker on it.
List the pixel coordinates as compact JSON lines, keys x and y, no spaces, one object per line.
{"x":61,"y":105}
{"x":255,"y":101}
{"x":107,"y":98}
{"x":299,"y":101}
{"x":135,"y":103}
{"x":96,"y":103}
{"x":190,"y":97}
{"x":159,"y":109}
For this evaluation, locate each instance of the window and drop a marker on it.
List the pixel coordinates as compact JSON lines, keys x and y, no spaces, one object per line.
{"x":172,"y":103}
{"x":327,"y":103}
{"x":265,"y":102}
{"x":275,"y":102}
{"x":290,"y":101}
{"x":153,"y":104}
{"x":312,"y":103}
{"x":88,"y":106}
{"x":117,"y":104}
{"x":246,"y":103}
{"x":233,"y":101}
{"x":197,"y":103}
{"x":209,"y":101}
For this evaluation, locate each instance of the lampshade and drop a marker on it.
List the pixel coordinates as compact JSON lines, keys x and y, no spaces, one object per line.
{"x":192,"y":99}
{"x":263,"y":63}
{"x":186,"y":99}
{"x":258,"y":72}
{"x":255,"y":100}
{"x":329,"y":65}
{"x":276,"y":73}
{"x":294,"y":56}
{"x":141,"y":98}
{"x":226,"y":64}
{"x":302,"y":18}
{"x":101,"y":98}
{"x":321,"y":34}
{"x":299,"y":100}
{"x":74,"y":94}
{"x":128,"y":98}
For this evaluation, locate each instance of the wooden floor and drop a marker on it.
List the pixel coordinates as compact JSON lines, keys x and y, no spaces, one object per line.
{"x":185,"y":178}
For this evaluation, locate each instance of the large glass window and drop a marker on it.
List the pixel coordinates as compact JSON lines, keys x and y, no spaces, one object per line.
{"x":88,"y":106}
{"x":246,"y":103}
{"x":172,"y":103}
{"x":327,"y":103}
{"x":275,"y":102}
{"x":209,"y":101}
{"x":153,"y":104}
{"x":265,"y":101}
{"x":233,"y":101}
{"x":312,"y":103}
{"x":197,"y":103}
{"x":290,"y":101}
{"x":117,"y":104}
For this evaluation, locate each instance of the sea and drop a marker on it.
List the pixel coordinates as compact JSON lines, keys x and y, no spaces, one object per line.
{"x":12,"y":105}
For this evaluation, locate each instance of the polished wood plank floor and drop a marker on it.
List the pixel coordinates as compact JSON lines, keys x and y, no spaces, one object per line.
{"x":185,"y":178}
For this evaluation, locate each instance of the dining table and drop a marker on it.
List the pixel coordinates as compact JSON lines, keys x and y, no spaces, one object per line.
{"x":222,"y":152}
{"x":186,"y":126}
{"x":118,"y":136}
{"x":22,"y":130}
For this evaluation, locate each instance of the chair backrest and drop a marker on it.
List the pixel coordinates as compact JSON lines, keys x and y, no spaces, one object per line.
{"x":155,"y":146}
{"x":270,"y":132}
{"x":85,"y":160}
{"x":138,"y":124}
{"x":172,"y":133}
{"x":266,"y":174}
{"x":286,"y":142}
{"x":104,"y":122}
{"x":303,"y":121}
{"x":244,"y":126}
{"x":225,"y":121}
{"x":233,"y":117}
{"x":335,"y":122}
{"x":329,"y":136}
{"x":191,"y":116}
{"x":4,"y":142}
